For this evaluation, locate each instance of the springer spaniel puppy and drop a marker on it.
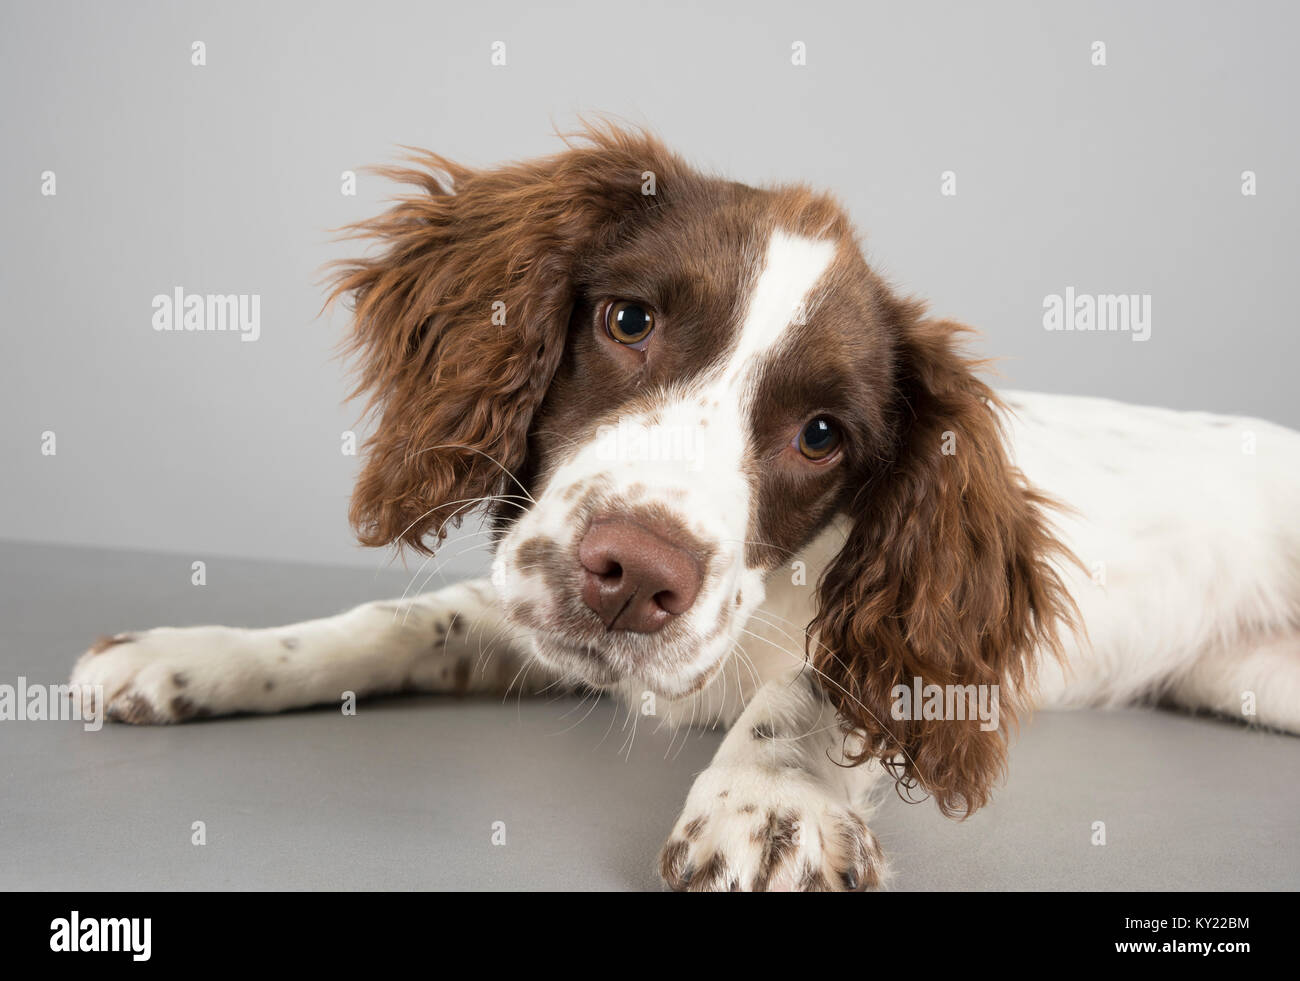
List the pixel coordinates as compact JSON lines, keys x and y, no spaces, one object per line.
{"x":733,"y":475}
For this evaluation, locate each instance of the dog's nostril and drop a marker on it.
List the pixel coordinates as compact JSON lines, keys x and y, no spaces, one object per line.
{"x":600,"y":565}
{"x":671,"y":602}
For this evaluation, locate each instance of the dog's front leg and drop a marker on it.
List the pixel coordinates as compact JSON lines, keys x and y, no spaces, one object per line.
{"x":777,"y":809}
{"x":454,"y":640}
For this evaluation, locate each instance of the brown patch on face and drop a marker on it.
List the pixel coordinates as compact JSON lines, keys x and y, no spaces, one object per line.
{"x":838,"y":364}
{"x":102,"y":644}
{"x":556,"y":566}
{"x":694,"y":829}
{"x":533,"y":554}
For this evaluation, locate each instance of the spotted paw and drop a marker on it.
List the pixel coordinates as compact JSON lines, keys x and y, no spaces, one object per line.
{"x":157,"y":676}
{"x":748,"y":828}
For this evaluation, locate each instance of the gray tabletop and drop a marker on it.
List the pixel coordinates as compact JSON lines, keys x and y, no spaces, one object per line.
{"x":411,"y":792}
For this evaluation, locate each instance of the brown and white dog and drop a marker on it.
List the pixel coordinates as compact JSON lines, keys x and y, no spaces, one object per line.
{"x":731,"y":470}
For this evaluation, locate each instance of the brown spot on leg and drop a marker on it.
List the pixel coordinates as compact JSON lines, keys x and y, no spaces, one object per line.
{"x":862,"y":853}
{"x":135,"y":710}
{"x":813,"y":880}
{"x":711,"y":876}
{"x":778,"y":840}
{"x":179,"y":680}
{"x":183,"y":708}
{"x":268,"y":686}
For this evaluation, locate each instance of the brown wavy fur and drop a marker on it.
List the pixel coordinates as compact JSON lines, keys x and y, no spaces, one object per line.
{"x":455,"y":394}
{"x":946,"y":576}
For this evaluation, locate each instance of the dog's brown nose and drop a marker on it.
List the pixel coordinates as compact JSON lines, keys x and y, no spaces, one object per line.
{"x":634,"y":578}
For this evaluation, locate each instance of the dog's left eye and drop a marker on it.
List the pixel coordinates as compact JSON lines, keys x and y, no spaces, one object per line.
{"x":628,"y":322}
{"x":818,"y":439}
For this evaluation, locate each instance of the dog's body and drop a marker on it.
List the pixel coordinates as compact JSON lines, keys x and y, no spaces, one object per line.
{"x":842,"y":521}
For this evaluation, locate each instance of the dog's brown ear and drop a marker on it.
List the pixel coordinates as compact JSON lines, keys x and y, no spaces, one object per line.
{"x":947,"y":576}
{"x":460,"y":320}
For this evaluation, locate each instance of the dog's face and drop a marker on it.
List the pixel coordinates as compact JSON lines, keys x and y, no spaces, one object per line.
{"x":664,"y":385}
{"x":725,"y":375}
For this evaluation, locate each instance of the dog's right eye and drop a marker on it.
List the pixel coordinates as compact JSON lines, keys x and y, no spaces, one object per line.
{"x":819,"y":439}
{"x":628,"y":322}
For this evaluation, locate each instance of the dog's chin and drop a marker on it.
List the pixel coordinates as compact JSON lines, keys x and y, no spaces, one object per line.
{"x":599,"y":667}
{"x":574,"y":661}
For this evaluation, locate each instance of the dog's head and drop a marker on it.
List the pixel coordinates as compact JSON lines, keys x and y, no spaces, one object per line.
{"x":664,"y":385}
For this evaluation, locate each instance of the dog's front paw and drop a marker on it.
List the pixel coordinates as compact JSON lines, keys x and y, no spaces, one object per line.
{"x":153,"y":677}
{"x":751,"y":828}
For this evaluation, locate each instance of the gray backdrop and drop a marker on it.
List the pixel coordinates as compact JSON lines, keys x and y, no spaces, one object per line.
{"x":225,"y":178}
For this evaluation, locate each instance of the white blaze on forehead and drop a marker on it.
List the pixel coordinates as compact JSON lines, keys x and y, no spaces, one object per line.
{"x":698,"y":468}
{"x":693,"y":441}
{"x":793,"y":266}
